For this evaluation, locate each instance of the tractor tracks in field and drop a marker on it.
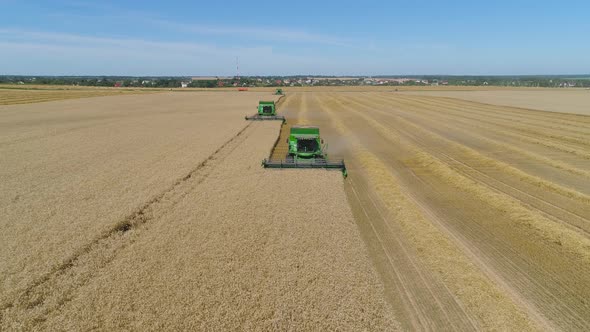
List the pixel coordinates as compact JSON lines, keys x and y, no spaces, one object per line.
{"x":539,"y":286}
{"x":562,"y":141}
{"x":569,"y":123}
{"x":416,"y":294}
{"x":462,"y":130}
{"x":35,"y":304}
{"x":421,"y":299}
{"x":429,"y":140}
{"x":546,"y":291}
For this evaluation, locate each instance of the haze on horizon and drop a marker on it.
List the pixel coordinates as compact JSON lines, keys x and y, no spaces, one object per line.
{"x":75,"y":37}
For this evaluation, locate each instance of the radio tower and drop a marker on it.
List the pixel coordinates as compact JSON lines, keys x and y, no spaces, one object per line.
{"x":238,"y":69}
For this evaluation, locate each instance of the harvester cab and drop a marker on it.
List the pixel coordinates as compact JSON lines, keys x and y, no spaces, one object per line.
{"x":279,"y":92}
{"x":266,"y":111}
{"x":306,"y":150}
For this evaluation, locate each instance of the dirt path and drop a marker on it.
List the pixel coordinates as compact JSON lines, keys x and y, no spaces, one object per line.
{"x":470,"y":212}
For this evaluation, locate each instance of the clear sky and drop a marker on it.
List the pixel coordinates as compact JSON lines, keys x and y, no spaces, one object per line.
{"x":83,"y":37}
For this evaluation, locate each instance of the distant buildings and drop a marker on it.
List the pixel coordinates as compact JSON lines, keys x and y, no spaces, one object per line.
{"x":392,"y":81}
{"x":567,"y":84}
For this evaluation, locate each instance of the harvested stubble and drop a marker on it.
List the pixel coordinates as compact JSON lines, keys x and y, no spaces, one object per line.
{"x":553,"y":100}
{"x":481,"y":303}
{"x":439,"y":193}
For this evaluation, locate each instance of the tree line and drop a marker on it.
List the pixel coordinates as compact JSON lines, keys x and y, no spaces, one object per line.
{"x":275,"y":81}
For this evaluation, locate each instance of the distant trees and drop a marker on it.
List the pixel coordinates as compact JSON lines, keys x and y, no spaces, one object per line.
{"x":276,"y":81}
{"x":203,"y":84}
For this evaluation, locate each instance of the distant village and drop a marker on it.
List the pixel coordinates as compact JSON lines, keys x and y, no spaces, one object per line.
{"x":287,"y":81}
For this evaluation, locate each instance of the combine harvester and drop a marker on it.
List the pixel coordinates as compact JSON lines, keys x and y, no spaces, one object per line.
{"x":279,"y":92}
{"x":266,"y":111}
{"x":306,"y":151}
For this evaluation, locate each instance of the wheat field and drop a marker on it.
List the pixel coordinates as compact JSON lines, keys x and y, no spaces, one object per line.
{"x":152,"y":212}
{"x":38,"y":94}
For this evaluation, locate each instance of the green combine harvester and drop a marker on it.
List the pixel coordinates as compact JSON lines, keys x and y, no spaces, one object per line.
{"x":266,"y":111}
{"x":279,"y":92}
{"x":306,"y":151}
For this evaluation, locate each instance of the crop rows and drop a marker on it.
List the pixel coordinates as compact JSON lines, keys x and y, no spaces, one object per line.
{"x":488,"y":202}
{"x":22,"y":96}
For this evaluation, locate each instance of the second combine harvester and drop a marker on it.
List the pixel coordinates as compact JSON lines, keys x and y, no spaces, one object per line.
{"x":267,"y":110}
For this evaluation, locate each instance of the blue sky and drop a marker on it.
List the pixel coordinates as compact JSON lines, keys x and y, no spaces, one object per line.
{"x":82,"y":37}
